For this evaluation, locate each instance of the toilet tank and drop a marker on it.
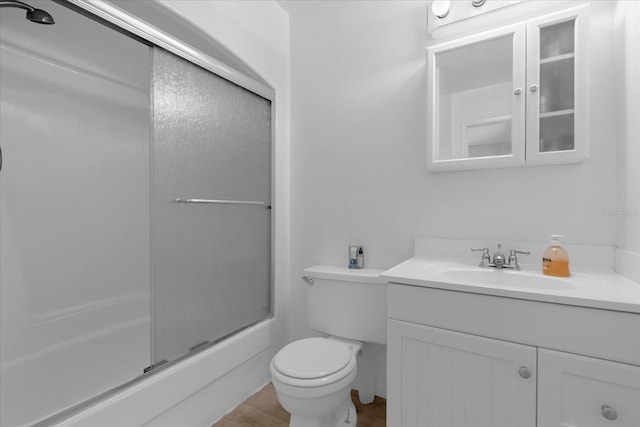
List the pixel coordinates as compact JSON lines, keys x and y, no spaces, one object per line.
{"x":348,"y":303}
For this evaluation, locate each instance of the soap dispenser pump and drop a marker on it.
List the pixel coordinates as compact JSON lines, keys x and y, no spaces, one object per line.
{"x":555,"y":260}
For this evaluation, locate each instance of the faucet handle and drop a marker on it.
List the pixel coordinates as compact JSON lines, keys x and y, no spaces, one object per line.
{"x":481,"y":249}
{"x":513,"y":260}
{"x":486,"y":258}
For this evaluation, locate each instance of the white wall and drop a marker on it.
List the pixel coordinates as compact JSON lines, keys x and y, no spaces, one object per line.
{"x":627,"y":22}
{"x":358,"y":171}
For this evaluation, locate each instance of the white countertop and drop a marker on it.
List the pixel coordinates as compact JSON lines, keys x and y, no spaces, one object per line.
{"x":600,"y":288}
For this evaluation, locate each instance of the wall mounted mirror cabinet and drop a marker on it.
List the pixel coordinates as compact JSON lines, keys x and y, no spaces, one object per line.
{"x":513,"y":96}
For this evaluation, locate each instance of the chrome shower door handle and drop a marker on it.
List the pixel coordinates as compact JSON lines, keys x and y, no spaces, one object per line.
{"x":220,"y":202}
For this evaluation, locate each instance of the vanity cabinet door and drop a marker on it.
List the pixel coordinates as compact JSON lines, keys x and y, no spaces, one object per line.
{"x":583,"y":391}
{"x":440,"y":378}
{"x":557,"y":87}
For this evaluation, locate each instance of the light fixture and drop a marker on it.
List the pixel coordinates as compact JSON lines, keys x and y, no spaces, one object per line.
{"x":440,"y":8}
{"x":478,"y":3}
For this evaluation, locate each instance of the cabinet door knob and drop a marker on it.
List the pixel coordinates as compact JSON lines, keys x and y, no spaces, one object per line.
{"x":533,"y":88}
{"x":609,"y":413}
{"x":524,"y":372}
{"x":517,"y":91}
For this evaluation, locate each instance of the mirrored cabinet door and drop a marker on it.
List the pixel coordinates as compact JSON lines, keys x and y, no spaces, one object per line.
{"x":556,"y":106}
{"x":476,"y":99}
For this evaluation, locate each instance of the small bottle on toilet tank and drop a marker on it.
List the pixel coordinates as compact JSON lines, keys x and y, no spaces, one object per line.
{"x":360,"y":258}
{"x":353,"y":257}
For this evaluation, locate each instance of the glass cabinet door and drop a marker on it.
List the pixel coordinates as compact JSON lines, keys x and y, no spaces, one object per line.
{"x":557,"y":88}
{"x":476,"y":99}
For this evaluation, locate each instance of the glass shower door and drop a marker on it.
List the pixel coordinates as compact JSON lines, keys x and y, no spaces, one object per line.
{"x":211,"y":197}
{"x":74,"y":212}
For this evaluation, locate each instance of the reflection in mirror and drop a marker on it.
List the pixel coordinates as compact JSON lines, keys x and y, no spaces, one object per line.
{"x":474,"y":100}
{"x":487,"y":138}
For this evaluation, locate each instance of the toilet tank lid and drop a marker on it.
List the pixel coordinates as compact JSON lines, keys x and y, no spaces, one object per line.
{"x":370,"y":275}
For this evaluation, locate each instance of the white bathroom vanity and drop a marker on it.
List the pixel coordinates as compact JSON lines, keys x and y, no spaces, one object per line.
{"x":479,"y":347}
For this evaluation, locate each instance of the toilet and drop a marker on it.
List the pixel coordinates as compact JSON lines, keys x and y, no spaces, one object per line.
{"x":313,"y":377}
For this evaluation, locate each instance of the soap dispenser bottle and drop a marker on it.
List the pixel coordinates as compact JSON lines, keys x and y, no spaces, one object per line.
{"x":555,"y":260}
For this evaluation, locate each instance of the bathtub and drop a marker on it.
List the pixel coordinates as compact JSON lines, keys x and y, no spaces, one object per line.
{"x":194,"y":392}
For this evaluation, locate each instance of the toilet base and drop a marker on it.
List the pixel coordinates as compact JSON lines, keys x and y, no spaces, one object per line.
{"x":345,"y":416}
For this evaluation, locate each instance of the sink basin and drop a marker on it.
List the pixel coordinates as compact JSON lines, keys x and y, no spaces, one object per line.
{"x":515,"y":279}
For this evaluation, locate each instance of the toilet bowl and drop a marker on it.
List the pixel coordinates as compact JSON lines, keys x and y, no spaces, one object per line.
{"x":313,"y":379}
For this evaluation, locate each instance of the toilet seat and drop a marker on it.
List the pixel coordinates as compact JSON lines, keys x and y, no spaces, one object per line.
{"x":313,"y":362}
{"x":312,"y":358}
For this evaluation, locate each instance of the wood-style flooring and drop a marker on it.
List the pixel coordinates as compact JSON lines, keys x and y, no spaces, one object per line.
{"x":263,"y":410}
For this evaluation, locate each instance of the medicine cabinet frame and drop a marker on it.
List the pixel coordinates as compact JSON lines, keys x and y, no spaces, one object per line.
{"x":527,"y":148}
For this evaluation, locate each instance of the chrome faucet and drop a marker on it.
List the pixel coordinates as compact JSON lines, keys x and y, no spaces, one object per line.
{"x":499,"y":260}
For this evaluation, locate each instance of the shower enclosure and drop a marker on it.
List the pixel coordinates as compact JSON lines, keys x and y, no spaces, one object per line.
{"x":135,"y":210}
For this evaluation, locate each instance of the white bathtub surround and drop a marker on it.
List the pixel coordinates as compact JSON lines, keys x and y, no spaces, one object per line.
{"x":43,"y":376}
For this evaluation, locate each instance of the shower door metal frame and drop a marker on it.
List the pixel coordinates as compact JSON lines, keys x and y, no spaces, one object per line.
{"x":143,"y":30}
{"x":140,"y":29}
{"x":159,"y":38}
{"x":160,"y":340}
